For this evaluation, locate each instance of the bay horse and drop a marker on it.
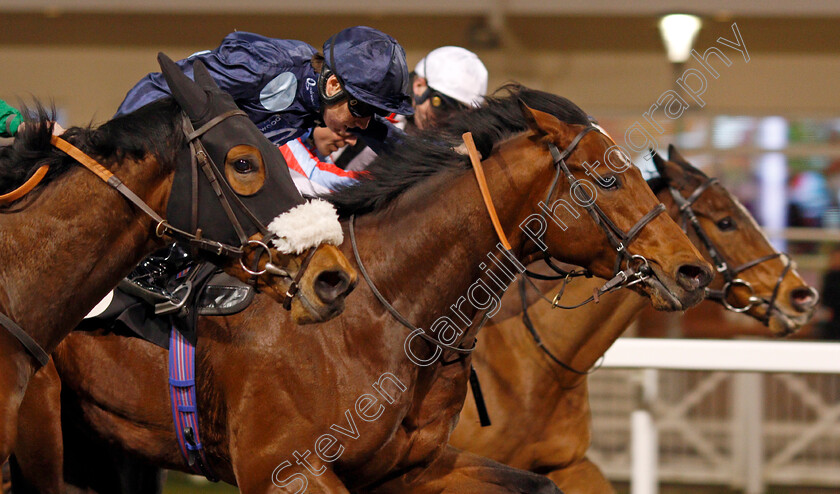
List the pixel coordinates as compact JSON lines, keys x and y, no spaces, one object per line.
{"x":66,"y":242}
{"x":375,"y":400}
{"x":540,"y":408}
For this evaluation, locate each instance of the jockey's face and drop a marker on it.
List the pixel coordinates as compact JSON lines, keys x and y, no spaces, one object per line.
{"x":423,"y":116}
{"x":337,"y":117}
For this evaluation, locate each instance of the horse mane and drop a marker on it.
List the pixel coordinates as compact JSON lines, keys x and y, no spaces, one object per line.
{"x":153,"y":129}
{"x":431,"y":152}
{"x":657,"y":184}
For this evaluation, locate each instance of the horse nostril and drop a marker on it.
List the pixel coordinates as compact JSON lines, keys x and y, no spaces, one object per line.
{"x":693,"y":277}
{"x":331,"y":285}
{"x":804,"y":298}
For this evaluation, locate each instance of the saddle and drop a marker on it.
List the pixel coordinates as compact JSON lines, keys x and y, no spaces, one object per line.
{"x":150,"y":311}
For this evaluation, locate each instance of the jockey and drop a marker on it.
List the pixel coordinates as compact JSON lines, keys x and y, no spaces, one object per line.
{"x":286,"y":87}
{"x":447,"y":79}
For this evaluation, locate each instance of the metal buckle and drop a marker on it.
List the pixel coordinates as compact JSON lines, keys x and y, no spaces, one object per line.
{"x":160,"y":229}
{"x":739,"y":282}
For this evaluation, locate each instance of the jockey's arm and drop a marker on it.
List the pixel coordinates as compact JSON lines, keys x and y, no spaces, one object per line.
{"x":10,"y":120}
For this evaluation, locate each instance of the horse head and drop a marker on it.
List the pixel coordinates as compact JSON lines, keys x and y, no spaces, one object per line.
{"x":604,"y":217}
{"x":237,"y":191}
{"x":752,"y":276}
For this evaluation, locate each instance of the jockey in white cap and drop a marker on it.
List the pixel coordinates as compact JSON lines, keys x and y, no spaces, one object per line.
{"x":447,"y":79}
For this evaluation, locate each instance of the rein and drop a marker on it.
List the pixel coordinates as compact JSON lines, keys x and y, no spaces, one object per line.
{"x":27,"y":187}
{"x":729,"y":274}
{"x":198,"y":153}
{"x":475,"y":159}
{"x":393,"y":311}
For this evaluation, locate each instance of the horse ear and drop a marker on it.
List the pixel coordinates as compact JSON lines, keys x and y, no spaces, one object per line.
{"x":659,"y":163}
{"x":540,"y":122}
{"x":675,"y":155}
{"x":202,"y":76}
{"x":189,"y":95}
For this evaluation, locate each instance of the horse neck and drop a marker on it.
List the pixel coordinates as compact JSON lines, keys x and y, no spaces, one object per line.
{"x":443,"y":242}
{"x":586,"y":333}
{"x":70,"y":243}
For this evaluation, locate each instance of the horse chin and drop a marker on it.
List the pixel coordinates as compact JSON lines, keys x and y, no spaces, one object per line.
{"x":666,"y":295}
{"x":783,"y":324}
{"x":304,"y":311}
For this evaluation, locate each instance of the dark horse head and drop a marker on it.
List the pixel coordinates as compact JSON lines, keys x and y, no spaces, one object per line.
{"x":227,"y":192}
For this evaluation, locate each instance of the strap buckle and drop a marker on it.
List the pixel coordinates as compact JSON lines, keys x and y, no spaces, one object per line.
{"x":169,"y":306}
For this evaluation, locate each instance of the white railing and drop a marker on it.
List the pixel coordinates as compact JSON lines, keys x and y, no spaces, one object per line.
{"x":732,"y":442}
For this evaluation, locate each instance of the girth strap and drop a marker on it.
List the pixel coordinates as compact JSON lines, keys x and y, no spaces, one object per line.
{"x":30,"y":344}
{"x":184,"y":404}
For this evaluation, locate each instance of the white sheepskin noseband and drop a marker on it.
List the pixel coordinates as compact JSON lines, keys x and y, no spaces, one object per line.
{"x":308,"y":225}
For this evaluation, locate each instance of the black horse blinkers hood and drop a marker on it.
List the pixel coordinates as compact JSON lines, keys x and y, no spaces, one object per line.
{"x":201,"y":196}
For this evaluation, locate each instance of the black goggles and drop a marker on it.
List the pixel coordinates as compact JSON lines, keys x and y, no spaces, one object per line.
{"x":438,"y":100}
{"x":360,"y":109}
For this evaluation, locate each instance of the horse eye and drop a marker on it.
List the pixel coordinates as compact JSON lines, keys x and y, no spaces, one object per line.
{"x":610,"y":182}
{"x":726,"y":224}
{"x":243,"y":166}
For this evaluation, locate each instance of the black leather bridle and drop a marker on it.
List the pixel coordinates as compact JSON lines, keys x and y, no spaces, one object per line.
{"x":199,"y":158}
{"x":637,"y":267}
{"x":618,"y":239}
{"x":730,"y":275}
{"x":688,"y":216}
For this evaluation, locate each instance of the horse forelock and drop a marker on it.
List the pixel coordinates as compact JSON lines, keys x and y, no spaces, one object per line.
{"x":153,"y":129}
{"x":431,"y":152}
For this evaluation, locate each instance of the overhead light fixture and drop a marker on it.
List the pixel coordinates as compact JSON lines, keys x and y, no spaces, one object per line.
{"x":678,"y":32}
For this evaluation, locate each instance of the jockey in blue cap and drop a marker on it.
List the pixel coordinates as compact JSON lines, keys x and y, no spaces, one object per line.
{"x":286,"y":87}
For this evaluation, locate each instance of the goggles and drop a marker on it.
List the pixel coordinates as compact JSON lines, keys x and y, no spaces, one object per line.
{"x":360,"y":109}
{"x":438,"y":100}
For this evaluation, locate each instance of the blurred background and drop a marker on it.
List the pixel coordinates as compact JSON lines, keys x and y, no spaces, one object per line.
{"x":769,"y":128}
